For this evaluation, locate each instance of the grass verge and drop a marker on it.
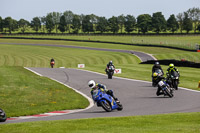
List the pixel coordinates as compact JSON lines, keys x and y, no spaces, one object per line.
{"x":167,"y":123}
{"x":24,"y":93}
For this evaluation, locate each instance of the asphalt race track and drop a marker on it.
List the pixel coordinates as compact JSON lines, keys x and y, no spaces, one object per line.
{"x":137,"y":97}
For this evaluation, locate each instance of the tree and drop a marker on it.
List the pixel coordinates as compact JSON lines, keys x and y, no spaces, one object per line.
{"x":15,"y":25}
{"x":68,"y":17}
{"x":93,"y":19}
{"x":36,"y":24}
{"x":180,"y":17}
{"x":1,"y":24}
{"x":76,"y":24}
{"x":113,"y":24}
{"x":8,"y":23}
{"x":158,"y":22}
{"x":172,"y":24}
{"x":87,"y":25}
{"x":129,"y":23}
{"x":49,"y":23}
{"x":62,"y":24}
{"x":198,"y":28}
{"x":43,"y":20}
{"x":56,"y":19}
{"x":144,"y":22}
{"x":194,"y":15}
{"x":81,"y":18}
{"x":187,"y":23}
{"x":23,"y":24}
{"x":121,"y":21}
{"x":102,"y":24}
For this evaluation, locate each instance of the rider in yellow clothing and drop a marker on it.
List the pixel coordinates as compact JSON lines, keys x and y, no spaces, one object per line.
{"x":171,"y":68}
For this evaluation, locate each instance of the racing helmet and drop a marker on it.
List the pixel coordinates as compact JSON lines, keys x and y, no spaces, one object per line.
{"x":110,"y":62}
{"x":156,"y":63}
{"x":171,"y":66}
{"x":91,"y":84}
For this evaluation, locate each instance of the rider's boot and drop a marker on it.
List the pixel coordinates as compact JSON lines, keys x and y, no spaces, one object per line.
{"x":116,"y":99}
{"x":160,"y":93}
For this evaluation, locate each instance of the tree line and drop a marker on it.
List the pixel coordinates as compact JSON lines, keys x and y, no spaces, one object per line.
{"x":73,"y":23}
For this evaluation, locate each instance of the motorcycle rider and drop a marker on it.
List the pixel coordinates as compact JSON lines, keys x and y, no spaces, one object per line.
{"x":110,"y":63}
{"x":94,"y":86}
{"x":157,"y":79}
{"x":172,"y":68}
{"x":157,"y":66}
{"x":52,"y":62}
{"x":169,"y":71}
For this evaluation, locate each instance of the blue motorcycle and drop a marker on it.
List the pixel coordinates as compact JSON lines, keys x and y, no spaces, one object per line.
{"x":106,"y":101}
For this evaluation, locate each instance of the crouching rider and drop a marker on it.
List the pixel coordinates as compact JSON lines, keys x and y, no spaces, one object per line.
{"x":95,"y":86}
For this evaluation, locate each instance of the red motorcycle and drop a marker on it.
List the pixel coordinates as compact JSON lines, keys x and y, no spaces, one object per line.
{"x":52,"y":63}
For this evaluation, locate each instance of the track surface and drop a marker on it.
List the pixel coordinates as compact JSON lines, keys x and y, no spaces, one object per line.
{"x":137,"y":97}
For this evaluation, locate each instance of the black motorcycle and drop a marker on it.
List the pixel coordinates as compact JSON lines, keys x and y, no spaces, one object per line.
{"x":3,"y":116}
{"x":159,"y":72}
{"x":110,"y":72}
{"x":174,"y":79}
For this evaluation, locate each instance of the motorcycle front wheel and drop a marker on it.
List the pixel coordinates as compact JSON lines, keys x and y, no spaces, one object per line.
{"x":168,"y":92}
{"x":109,"y":75}
{"x":3,"y":116}
{"x":106,"y":106}
{"x":176,"y":84}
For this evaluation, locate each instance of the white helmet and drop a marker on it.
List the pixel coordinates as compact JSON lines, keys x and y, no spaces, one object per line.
{"x":91,"y":84}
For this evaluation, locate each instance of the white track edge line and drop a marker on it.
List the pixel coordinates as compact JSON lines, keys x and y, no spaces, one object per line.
{"x":84,"y":95}
{"x":33,"y":71}
{"x":137,"y":56}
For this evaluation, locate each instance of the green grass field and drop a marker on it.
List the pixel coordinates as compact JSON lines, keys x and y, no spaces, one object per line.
{"x":159,"y":53}
{"x":39,"y":56}
{"x":22,"y":84}
{"x":185,"y":41}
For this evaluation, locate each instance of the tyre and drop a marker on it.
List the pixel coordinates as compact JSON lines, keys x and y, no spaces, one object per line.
{"x":2,"y":116}
{"x":109,"y":75}
{"x":168,"y":92}
{"x":106,"y":106}
{"x":176,"y":85}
